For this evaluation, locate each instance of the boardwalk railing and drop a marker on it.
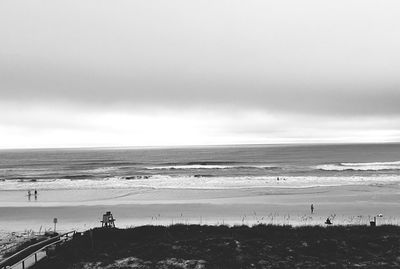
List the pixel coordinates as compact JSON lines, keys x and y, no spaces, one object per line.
{"x":21,"y":256}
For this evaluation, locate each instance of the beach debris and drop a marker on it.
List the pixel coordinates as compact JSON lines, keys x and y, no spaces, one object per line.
{"x":108,"y":220}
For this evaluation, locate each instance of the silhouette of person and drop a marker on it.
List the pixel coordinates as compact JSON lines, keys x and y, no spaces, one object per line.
{"x":328,"y":221}
{"x":312,"y":209}
{"x":29,"y":195}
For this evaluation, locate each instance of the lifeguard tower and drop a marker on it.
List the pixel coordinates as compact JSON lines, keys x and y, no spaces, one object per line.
{"x":108,"y":220}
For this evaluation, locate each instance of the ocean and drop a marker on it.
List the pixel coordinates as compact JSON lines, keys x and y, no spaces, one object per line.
{"x":211,"y":167}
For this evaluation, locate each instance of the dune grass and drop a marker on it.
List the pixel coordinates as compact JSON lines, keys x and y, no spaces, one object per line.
{"x":261,"y":246}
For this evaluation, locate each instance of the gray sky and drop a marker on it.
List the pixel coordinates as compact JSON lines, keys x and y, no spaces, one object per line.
{"x":124,"y":73}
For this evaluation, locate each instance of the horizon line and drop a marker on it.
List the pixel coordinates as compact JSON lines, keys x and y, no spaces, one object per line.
{"x":199,"y":146}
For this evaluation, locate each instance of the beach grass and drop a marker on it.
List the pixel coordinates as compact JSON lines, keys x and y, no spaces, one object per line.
{"x":204,"y":246}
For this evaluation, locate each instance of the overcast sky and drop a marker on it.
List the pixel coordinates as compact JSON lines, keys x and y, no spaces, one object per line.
{"x":145,"y":73}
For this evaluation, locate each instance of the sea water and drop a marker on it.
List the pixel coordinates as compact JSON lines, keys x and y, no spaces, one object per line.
{"x":208,"y":167}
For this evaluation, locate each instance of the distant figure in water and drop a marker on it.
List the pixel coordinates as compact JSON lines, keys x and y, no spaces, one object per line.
{"x":35,"y":194}
{"x":29,"y":195}
{"x":277,"y":179}
{"x":312,"y":209}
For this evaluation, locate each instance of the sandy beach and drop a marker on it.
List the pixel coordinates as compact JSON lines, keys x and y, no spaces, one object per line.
{"x":82,"y":209}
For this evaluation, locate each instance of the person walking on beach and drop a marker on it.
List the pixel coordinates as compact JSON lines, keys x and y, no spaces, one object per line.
{"x":29,"y":195}
{"x":35,"y":192}
{"x":312,"y":209}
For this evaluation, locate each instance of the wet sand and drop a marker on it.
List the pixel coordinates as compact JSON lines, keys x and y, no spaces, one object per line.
{"x":82,"y":209}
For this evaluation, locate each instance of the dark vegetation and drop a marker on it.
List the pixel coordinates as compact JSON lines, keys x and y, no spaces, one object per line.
{"x":195,"y":246}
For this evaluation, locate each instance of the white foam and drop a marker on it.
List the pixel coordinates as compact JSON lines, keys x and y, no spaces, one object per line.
{"x":189,"y":182}
{"x":206,"y":166}
{"x":103,"y":169}
{"x":373,"y":166}
{"x":194,"y":166}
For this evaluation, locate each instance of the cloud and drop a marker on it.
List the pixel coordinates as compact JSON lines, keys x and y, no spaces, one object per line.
{"x":298,"y":57}
{"x":63,"y":125}
{"x":216,"y":71}
{"x":46,"y":82}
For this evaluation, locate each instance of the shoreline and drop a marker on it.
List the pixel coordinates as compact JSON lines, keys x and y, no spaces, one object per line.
{"x":83,"y":209}
{"x":81,"y":197}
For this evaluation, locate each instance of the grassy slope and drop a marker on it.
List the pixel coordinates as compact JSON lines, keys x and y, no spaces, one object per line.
{"x":237,"y":247}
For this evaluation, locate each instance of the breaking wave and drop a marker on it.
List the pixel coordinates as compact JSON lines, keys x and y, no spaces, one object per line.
{"x":372,"y":166}
{"x":209,"y":166}
{"x":195,"y":182}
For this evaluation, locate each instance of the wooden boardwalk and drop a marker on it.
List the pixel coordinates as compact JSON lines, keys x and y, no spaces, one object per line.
{"x":32,"y":254}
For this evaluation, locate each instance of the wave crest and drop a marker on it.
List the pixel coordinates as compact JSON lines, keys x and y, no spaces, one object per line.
{"x":209,"y":166}
{"x":193,"y":182}
{"x":371,"y":166}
